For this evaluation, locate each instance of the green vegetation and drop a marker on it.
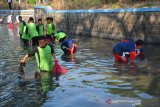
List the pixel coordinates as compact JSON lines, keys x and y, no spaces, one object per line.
{"x":3,"y":4}
{"x":102,"y":4}
{"x":32,"y":1}
{"x":83,"y":4}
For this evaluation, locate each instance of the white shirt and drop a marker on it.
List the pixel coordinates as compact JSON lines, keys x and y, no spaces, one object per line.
{"x":17,"y":18}
{"x":9,"y":19}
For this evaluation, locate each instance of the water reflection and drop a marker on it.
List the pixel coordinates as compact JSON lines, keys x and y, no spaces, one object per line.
{"x":67,"y":58}
{"x":154,"y":86}
{"x":46,"y":82}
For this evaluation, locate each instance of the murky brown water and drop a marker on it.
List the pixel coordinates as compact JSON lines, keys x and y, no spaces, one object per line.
{"x":92,"y":78}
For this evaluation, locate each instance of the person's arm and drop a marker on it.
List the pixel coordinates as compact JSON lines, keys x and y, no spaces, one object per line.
{"x":132,"y":56}
{"x":75,"y":45}
{"x":30,"y":53}
{"x":26,"y":30}
{"x":54,"y":56}
{"x":37,"y":28}
{"x":52,"y":52}
{"x":24,"y":24}
{"x":24,"y":59}
{"x":20,"y":28}
{"x":75,"y":48}
{"x":141,"y":53}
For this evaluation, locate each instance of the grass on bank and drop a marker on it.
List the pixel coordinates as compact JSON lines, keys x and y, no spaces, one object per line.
{"x":103,"y":4}
{"x":84,"y":4}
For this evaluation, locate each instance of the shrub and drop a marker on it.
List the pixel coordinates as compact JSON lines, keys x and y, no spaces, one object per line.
{"x":31,"y":1}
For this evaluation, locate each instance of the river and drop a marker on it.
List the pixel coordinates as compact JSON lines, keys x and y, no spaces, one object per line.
{"x":92,"y":78}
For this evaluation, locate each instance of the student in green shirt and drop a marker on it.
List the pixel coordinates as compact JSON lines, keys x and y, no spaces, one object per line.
{"x":54,"y":26}
{"x":59,"y":37}
{"x":50,"y":29}
{"x":25,"y":36}
{"x":31,"y":26}
{"x":40,"y":27}
{"x":44,"y":54}
{"x":22,"y":24}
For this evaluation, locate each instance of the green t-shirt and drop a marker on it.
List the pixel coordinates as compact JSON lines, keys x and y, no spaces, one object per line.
{"x":32,"y":30}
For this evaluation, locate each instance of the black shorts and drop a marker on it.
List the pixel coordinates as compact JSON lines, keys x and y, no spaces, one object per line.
{"x":35,"y":41}
{"x":20,"y":36}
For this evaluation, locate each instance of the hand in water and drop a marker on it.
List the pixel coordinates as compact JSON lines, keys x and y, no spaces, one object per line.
{"x":132,"y":64}
{"x":22,"y":61}
{"x":37,"y":75}
{"x":21,"y":70}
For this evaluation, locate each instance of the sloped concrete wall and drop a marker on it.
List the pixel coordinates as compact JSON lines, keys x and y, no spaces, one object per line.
{"x":141,"y":23}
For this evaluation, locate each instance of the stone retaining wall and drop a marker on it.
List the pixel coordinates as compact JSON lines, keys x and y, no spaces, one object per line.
{"x":141,"y":23}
